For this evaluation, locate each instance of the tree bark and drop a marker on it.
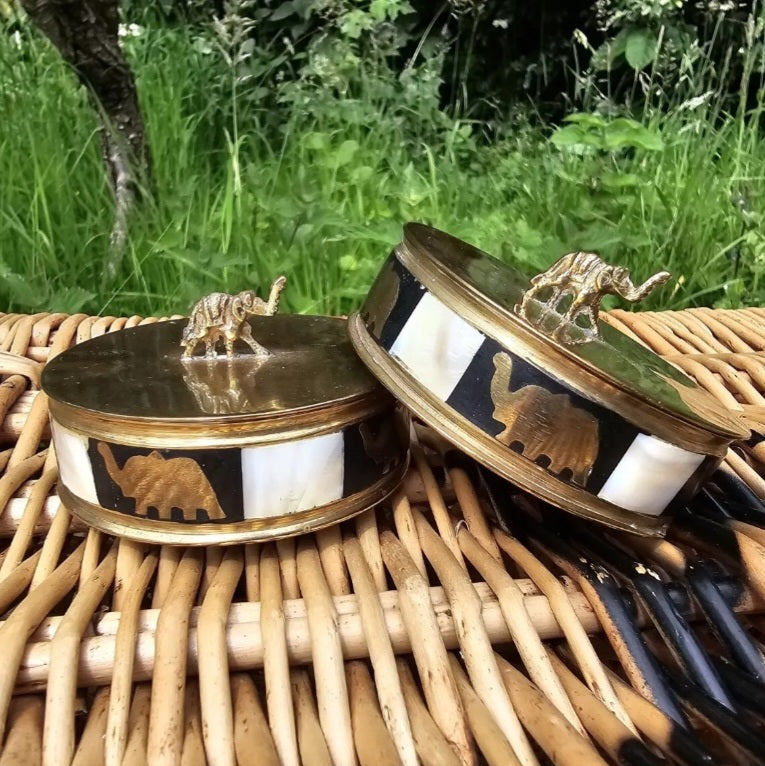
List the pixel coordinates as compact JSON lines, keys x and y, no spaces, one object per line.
{"x":86,"y":33}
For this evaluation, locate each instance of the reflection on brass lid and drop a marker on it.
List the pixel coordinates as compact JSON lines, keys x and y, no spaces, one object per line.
{"x":135,"y":381}
{"x":485,"y":291}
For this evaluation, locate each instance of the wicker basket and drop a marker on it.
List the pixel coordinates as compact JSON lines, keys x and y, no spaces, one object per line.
{"x":416,"y":633}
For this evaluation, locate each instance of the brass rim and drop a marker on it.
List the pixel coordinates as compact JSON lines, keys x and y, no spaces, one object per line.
{"x":469,"y":438}
{"x":202,"y":435}
{"x":254,"y":530}
{"x":526,"y":342}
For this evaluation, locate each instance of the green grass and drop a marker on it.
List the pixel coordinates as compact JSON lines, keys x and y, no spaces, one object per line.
{"x":316,"y":185}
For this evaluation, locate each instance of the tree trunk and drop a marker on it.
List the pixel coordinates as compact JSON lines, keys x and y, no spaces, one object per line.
{"x":86,"y":34}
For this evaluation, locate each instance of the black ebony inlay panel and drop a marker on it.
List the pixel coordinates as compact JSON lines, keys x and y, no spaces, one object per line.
{"x":472,"y":399}
{"x":205,"y":485}
{"x":371,"y":451}
{"x":410,"y":292}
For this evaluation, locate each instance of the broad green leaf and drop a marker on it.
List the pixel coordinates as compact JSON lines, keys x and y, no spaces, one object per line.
{"x":586,"y":119}
{"x":345,"y":152}
{"x":362,"y":173}
{"x":639,"y":139}
{"x":568,"y":136}
{"x":353,"y":23}
{"x":649,"y":140}
{"x":379,"y":9}
{"x":283,"y":11}
{"x":640,"y":48}
{"x":317,"y":141}
{"x":622,"y":123}
{"x":606,"y":54}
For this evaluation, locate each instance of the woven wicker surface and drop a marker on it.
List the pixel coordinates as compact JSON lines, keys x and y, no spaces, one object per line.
{"x":415,"y":633}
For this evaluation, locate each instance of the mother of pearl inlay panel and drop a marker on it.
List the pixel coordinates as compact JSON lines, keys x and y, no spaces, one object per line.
{"x":74,"y":464}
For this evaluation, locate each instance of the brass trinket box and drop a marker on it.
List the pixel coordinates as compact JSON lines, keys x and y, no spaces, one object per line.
{"x":527,"y":379}
{"x":276,"y":429}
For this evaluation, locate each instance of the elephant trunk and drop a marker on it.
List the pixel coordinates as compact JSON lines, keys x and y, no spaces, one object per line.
{"x":111,"y":464}
{"x":274,"y":295}
{"x":631,"y":293}
{"x":500,"y":382}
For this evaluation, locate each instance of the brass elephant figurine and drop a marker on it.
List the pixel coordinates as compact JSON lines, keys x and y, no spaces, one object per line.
{"x":586,"y":278}
{"x":223,"y":316}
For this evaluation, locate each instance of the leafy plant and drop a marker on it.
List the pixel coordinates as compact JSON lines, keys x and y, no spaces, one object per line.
{"x":596,"y":132}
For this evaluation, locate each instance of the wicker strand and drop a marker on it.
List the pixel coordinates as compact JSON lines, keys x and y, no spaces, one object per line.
{"x":554,"y":734}
{"x":214,"y":684}
{"x":252,"y":737}
{"x":608,"y":731}
{"x":525,"y":636}
{"x":432,"y":747}
{"x":577,"y":638}
{"x":405,"y":529}
{"x":427,"y":646}
{"x":52,"y":547}
{"x":486,"y":729}
{"x":381,"y":655}
{"x":90,"y":749}
{"x":275,"y":660}
{"x":474,"y":642}
{"x":25,"y":531}
{"x":16,"y":582}
{"x":58,"y":734}
{"x":193,"y":748}
{"x":331,"y":689}
{"x":16,"y":630}
{"x":313,"y":746}
{"x":370,"y":735}
{"x":124,"y":660}
{"x":168,"y":683}
{"x":437,"y":505}
{"x":25,"y":722}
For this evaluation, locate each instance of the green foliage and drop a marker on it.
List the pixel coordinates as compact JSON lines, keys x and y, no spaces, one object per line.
{"x":303,"y":153}
{"x":592,"y":131}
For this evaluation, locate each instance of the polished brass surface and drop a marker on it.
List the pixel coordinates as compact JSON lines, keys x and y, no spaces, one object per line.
{"x":545,"y":426}
{"x":220,"y":316}
{"x":252,"y":530}
{"x":385,"y":289}
{"x":612,"y":369}
{"x":132,"y":387}
{"x":218,"y":385}
{"x":489,"y":450}
{"x":585,"y":279}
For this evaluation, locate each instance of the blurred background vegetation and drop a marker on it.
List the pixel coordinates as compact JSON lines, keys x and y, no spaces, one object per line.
{"x":296,"y":137}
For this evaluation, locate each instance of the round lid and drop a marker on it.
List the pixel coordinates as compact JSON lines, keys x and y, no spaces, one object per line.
{"x":503,"y":302}
{"x":137,"y":382}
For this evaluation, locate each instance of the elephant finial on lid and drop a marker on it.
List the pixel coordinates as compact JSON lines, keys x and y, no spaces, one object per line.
{"x":220,"y":316}
{"x":586,"y":278}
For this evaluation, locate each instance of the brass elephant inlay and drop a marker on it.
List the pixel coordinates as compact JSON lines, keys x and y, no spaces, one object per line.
{"x":164,"y":484}
{"x":544,"y":424}
{"x":585,"y":277}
